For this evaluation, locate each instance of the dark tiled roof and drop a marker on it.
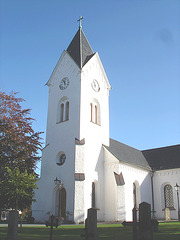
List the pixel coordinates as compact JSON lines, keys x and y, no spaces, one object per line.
{"x":163,"y":158}
{"x":127,"y":154}
{"x":155,"y":159}
{"x":80,"y":49}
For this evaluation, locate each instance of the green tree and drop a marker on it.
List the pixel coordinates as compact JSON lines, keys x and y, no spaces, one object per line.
{"x":19,"y":146}
{"x":18,"y":188}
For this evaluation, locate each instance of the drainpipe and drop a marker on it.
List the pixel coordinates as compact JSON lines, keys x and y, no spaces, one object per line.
{"x":152,"y":191}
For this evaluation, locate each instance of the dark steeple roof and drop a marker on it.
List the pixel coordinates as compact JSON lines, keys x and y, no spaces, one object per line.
{"x":79,"y":49}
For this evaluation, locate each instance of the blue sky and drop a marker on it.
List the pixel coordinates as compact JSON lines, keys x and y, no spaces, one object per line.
{"x":139,"y":45}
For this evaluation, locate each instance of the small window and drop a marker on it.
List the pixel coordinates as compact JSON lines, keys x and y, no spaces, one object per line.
{"x":67,"y":111}
{"x":60,"y":159}
{"x":95,"y":112}
{"x":93,"y":195}
{"x":168,"y":196}
{"x":91,"y":112}
{"x":134,"y":195}
{"x":63,"y":110}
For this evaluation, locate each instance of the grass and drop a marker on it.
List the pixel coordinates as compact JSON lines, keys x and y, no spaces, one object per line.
{"x":167,"y":231}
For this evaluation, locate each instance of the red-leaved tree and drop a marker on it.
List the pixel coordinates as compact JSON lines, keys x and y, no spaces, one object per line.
{"x":19,"y":144}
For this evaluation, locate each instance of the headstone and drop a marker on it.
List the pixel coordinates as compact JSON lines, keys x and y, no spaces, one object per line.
{"x":143,"y":230}
{"x":167,"y":214}
{"x":52,"y":222}
{"x":13,"y":225}
{"x":91,"y":225}
{"x":145,"y":226}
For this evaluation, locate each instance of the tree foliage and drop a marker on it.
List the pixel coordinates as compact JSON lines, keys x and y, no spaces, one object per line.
{"x":19,"y":143}
{"x":17,"y":189}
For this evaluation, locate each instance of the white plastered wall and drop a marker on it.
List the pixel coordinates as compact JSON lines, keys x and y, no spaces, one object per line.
{"x":160,"y":179}
{"x":119,"y":207}
{"x":94,"y":134}
{"x":59,"y":137}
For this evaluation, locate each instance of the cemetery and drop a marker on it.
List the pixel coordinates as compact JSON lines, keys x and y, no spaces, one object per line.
{"x":167,"y":231}
{"x":144,"y":229}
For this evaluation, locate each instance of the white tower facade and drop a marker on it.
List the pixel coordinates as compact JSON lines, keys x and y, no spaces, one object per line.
{"x":90,"y":169}
{"x":77,"y":127}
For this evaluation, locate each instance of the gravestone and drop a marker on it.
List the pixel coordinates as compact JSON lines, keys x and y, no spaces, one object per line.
{"x":143,"y":230}
{"x":145,"y":226}
{"x":52,"y":222}
{"x":133,"y":224}
{"x":167,"y":214}
{"x":91,"y":225}
{"x":13,"y":225}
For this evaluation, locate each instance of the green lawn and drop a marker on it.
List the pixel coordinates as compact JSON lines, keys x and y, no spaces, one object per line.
{"x":167,"y":231}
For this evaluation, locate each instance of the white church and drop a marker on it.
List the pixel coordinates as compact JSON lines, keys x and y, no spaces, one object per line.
{"x":81,"y":166}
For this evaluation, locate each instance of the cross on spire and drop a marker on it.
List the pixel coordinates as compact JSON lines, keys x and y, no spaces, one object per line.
{"x":79,"y":20}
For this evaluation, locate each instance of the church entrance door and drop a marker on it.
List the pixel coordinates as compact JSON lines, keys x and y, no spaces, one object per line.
{"x":62,"y":203}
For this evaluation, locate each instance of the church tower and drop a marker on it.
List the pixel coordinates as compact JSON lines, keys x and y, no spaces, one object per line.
{"x":77,"y":128}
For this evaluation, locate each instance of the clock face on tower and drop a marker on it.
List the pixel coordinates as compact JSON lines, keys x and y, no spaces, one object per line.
{"x":95,"y":85}
{"x":64,"y":83}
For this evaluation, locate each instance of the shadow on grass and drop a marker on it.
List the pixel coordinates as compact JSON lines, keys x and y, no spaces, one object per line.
{"x":115,"y":232}
{"x":167,"y":231}
{"x":106,"y":232}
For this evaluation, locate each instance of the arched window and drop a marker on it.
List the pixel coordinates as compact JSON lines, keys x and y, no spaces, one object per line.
{"x":93,"y":195}
{"x":136,"y":194}
{"x":95,"y":112}
{"x":92,"y":112}
{"x":168,"y":196}
{"x":63,"y":110}
{"x":67,"y":111}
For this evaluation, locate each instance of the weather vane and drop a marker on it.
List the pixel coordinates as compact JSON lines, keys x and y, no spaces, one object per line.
{"x":79,"y":20}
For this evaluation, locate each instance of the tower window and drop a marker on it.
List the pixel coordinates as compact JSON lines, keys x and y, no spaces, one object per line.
{"x":92,"y":112}
{"x":95,"y":112}
{"x":63,"y":110}
{"x":60,"y":158}
{"x":67,"y":111}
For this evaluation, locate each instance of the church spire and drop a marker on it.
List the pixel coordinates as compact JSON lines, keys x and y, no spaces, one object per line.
{"x":79,"y":48}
